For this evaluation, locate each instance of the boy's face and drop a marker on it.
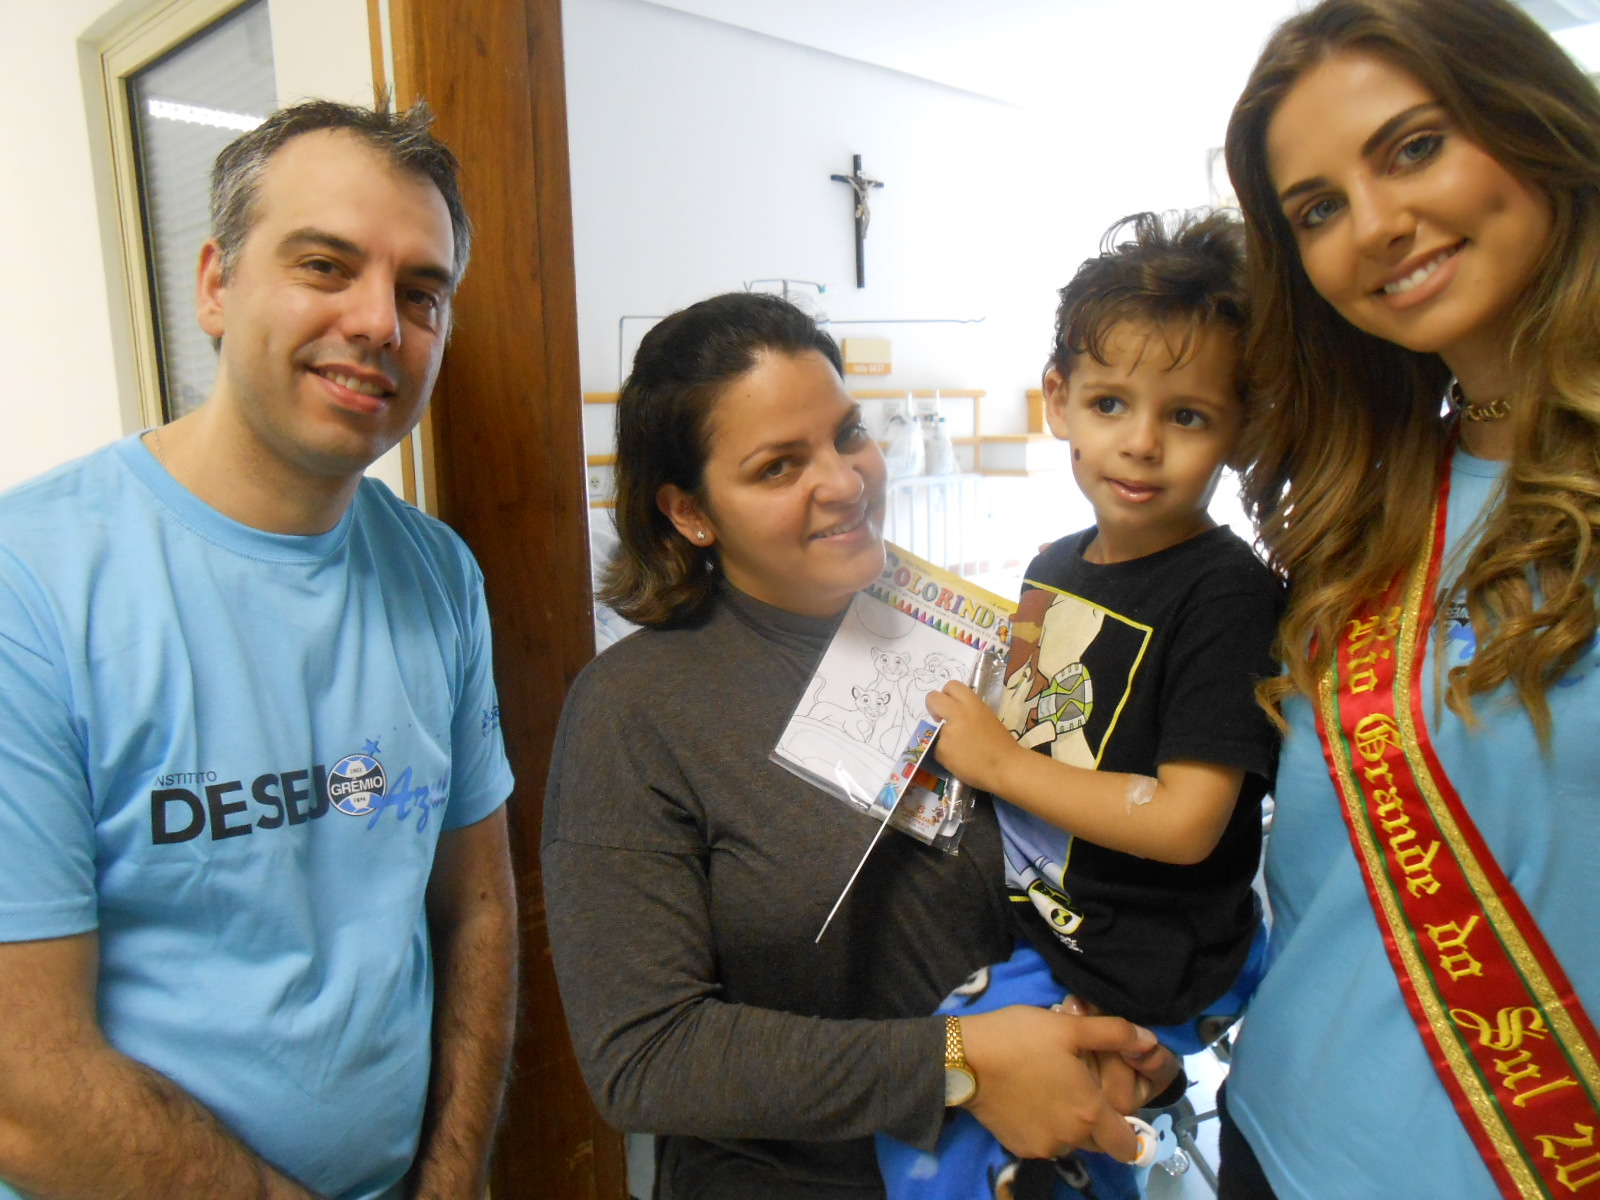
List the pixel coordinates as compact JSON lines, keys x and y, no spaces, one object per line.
{"x":1149,"y":436}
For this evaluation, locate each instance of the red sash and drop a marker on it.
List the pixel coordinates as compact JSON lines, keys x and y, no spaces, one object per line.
{"x":1501,"y":1022}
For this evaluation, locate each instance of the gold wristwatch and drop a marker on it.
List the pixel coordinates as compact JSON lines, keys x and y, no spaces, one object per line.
{"x":960,"y":1084}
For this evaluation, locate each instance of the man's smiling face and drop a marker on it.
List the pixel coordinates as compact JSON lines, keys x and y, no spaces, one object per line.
{"x":334,"y":317}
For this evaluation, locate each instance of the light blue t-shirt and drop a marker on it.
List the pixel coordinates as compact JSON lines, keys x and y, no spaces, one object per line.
{"x":232,"y":753}
{"x":1330,"y":1081}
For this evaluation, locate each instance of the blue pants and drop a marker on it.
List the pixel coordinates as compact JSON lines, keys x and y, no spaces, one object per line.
{"x":968,"y":1164}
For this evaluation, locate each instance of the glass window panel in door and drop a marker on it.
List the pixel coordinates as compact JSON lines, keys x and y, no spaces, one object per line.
{"x":186,"y":106}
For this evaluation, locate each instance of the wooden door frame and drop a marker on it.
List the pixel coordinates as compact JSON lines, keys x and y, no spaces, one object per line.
{"x":507,"y":458}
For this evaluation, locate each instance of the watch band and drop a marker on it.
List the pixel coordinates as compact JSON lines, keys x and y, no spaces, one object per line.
{"x":955,"y":1050}
{"x":960,"y":1081}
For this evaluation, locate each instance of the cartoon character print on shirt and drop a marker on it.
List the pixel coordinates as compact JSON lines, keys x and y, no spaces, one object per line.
{"x":1063,"y":704}
{"x":186,"y":805}
{"x":1071,"y":667}
{"x":1054,"y":905}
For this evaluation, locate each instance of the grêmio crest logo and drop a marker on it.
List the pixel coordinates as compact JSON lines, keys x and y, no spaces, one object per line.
{"x":357,"y":786}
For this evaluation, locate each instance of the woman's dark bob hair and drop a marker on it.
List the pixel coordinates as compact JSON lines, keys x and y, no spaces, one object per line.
{"x":664,"y":412}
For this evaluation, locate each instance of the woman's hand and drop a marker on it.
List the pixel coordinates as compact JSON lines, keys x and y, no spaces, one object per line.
{"x":974,"y":744}
{"x":1037,"y":1093}
{"x":1128,"y":1080}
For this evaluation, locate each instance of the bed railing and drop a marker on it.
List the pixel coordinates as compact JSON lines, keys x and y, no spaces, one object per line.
{"x":938,"y":517}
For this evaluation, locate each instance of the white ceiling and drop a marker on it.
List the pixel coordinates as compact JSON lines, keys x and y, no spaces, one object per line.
{"x":1562,"y":14}
{"x":1018,"y":50}
{"x":997,"y":48}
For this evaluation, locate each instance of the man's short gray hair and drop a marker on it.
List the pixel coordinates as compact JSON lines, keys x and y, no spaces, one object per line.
{"x":404,"y":139}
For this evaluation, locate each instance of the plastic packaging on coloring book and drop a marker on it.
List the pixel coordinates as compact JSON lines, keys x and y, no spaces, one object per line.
{"x":861,"y":730}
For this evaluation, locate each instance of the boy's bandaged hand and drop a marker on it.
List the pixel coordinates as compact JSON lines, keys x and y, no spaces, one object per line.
{"x":973,"y":745}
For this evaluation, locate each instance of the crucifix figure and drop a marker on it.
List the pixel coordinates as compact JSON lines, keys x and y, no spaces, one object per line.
{"x":862,"y":186}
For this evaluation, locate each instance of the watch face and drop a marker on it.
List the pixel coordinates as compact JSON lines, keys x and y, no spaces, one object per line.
{"x":960,"y":1085}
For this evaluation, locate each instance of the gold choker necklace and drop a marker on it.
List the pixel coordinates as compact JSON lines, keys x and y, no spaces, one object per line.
{"x":1479,"y":412}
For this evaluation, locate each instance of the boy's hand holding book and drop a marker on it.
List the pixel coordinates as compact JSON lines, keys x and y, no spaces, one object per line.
{"x":974,"y":744}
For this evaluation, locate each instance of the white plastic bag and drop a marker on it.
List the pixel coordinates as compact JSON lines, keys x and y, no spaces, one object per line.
{"x":939,"y":453}
{"x":904,"y":450}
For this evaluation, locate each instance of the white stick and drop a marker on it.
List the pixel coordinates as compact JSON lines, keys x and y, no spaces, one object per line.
{"x":884,"y":824}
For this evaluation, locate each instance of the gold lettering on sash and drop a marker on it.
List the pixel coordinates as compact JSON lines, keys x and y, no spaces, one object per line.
{"x":1510,"y":1027}
{"x":1363,"y":632}
{"x":1376,"y":734}
{"x":1516,"y":1068}
{"x":1400,"y":830}
{"x":1381,"y":627}
{"x":1452,"y":936}
{"x":1570,"y":1173}
{"x":1401,"y":813}
{"x":1577,"y":1174}
{"x":1362,"y":677}
{"x":1415,"y":862}
{"x":1522,"y":1098}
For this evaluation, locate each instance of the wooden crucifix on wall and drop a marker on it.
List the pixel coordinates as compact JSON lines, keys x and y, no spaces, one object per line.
{"x":862,"y":187}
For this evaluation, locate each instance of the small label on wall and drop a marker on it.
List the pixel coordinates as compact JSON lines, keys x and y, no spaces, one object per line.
{"x":866,"y":356}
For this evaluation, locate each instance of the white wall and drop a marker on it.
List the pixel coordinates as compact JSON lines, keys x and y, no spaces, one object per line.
{"x":68,"y":385}
{"x":701,"y":154}
{"x":59,"y":396}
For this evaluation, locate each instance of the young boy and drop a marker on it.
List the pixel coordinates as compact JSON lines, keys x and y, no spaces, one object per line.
{"x":1129,"y":759}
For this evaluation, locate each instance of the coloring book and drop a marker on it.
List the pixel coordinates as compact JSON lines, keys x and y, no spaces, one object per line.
{"x":861,"y":729}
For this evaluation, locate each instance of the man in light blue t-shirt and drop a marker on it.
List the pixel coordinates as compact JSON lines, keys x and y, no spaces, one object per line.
{"x":257,"y":928}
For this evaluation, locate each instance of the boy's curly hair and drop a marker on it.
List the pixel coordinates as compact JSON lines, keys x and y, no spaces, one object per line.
{"x":1184,"y":269}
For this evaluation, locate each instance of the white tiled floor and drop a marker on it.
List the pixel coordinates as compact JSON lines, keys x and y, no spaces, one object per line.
{"x":1205,"y":1072}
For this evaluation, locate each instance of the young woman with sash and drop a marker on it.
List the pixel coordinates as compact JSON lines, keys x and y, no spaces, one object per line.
{"x":686,"y":874}
{"x":1421,"y":181}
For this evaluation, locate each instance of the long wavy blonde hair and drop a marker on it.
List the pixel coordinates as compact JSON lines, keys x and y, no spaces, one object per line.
{"x":1346,"y":435}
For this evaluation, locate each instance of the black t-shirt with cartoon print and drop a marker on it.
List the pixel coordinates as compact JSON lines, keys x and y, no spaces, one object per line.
{"x":1123,"y":667}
